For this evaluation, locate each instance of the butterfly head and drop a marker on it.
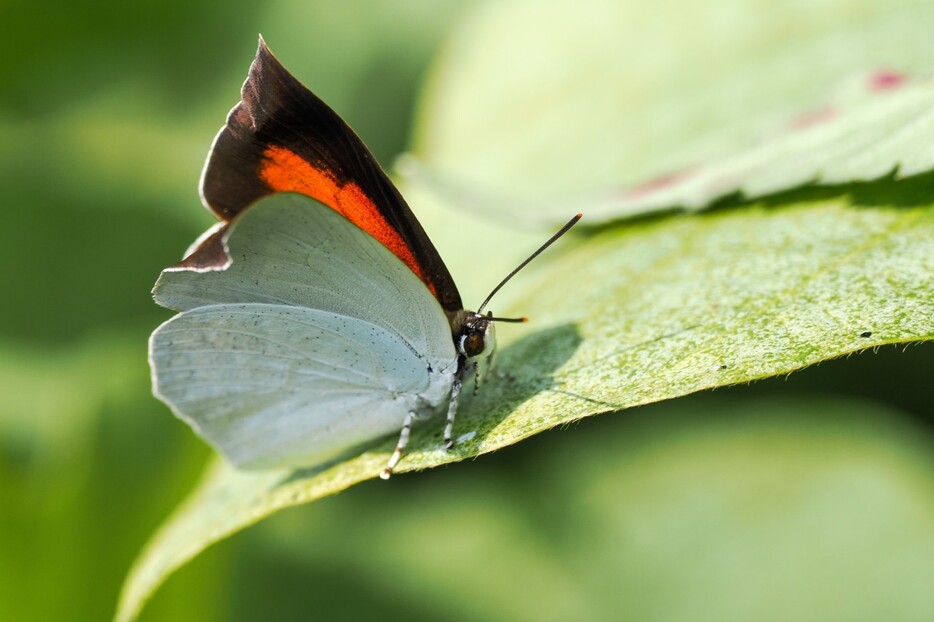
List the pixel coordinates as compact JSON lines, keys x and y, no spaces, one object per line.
{"x":475,"y":337}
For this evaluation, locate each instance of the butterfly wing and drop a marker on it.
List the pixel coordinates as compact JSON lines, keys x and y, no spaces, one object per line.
{"x":313,"y":339}
{"x":282,"y":138}
{"x":291,"y":250}
{"x":282,"y":386}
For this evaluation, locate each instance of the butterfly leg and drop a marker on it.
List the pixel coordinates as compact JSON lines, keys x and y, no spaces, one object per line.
{"x":452,"y":411}
{"x":400,"y":446}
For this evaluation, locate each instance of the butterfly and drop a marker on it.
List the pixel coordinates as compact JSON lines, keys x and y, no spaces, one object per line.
{"x":316,"y":316}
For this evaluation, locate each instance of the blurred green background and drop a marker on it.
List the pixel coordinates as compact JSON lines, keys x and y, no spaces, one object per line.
{"x":807,"y":497}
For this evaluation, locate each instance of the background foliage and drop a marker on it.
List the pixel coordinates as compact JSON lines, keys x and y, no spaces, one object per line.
{"x":808,"y":496}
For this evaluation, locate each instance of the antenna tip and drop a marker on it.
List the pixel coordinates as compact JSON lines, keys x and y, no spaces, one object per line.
{"x":579,"y":215}
{"x":525,"y":320}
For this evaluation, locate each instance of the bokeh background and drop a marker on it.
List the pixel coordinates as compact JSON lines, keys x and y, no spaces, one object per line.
{"x":806,"y":497}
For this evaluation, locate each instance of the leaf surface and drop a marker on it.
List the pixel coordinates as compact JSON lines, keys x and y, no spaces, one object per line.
{"x":638,"y":314}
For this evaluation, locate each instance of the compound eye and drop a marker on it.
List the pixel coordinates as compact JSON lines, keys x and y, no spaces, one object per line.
{"x":472,"y":345}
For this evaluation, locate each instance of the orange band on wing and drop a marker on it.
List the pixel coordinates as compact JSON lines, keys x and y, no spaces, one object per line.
{"x":285,"y":171}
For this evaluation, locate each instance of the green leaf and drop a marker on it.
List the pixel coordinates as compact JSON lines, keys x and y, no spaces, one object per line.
{"x":704,"y":508}
{"x":619,"y":109}
{"x":634,"y":315}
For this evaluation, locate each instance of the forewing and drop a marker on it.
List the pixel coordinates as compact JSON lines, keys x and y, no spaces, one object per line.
{"x":282,"y":386}
{"x":290,"y":250}
{"x":282,"y":138}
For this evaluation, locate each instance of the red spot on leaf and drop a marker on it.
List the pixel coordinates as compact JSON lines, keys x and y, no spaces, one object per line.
{"x":886,"y":80}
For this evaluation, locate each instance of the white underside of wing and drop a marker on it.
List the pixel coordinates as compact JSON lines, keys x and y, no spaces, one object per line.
{"x":288,"y":249}
{"x":284,"y":386}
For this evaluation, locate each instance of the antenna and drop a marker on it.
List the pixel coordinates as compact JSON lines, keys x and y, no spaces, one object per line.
{"x":541,"y":248}
{"x":514,"y":320}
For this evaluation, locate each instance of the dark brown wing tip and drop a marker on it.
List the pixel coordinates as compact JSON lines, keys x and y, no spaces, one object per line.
{"x":266,"y":66}
{"x":229,"y":181}
{"x":264,"y":58}
{"x":264,"y":55}
{"x":246,"y":112}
